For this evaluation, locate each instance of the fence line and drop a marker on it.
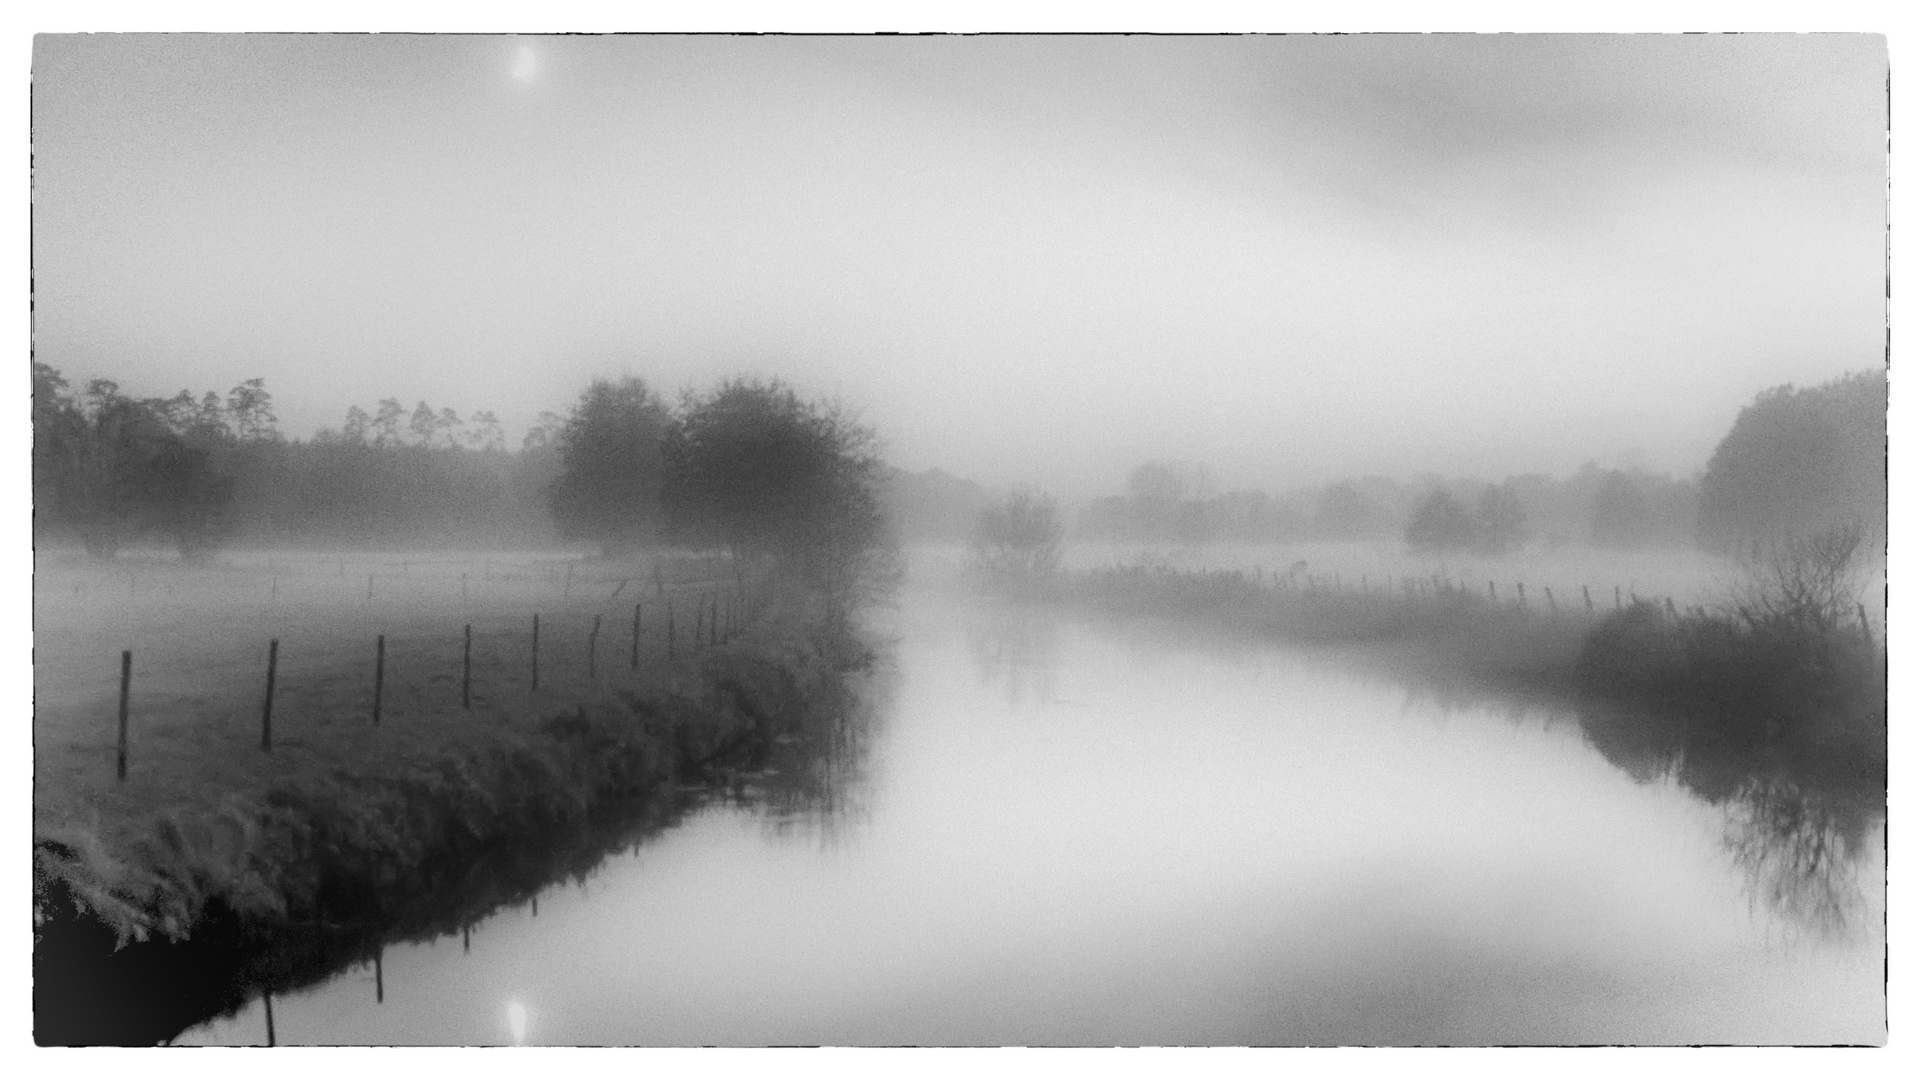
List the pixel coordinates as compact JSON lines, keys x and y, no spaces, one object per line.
{"x":325,"y":679}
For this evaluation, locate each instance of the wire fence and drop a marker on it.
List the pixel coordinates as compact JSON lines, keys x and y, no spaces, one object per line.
{"x":1366,"y":589}
{"x":431,"y":639}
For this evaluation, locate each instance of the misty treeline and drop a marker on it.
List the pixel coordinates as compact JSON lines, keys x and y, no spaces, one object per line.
{"x":1173,"y":503}
{"x":198,"y":472}
{"x":1797,"y":461}
{"x":1019,"y":535}
{"x":748,"y":467}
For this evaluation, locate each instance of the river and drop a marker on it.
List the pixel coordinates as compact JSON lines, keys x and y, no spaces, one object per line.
{"x":1051,"y":830}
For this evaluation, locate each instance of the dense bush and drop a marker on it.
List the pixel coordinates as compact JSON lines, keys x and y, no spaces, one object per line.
{"x":1496,"y":524}
{"x":1791,"y":662}
{"x":1797,"y":461}
{"x":1020,"y":535}
{"x":754,"y":469}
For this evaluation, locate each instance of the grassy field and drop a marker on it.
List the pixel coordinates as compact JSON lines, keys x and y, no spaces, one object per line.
{"x":199,"y":638}
{"x":1690,"y":578}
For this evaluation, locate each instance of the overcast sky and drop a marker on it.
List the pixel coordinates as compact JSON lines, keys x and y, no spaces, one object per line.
{"x":1022,"y":259}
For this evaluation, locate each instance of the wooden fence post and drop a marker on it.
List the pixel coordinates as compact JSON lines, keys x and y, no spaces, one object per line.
{"x":536,"y":652}
{"x":268,"y":998}
{"x":1491,"y":595}
{"x":379,"y":675}
{"x":127,"y":679}
{"x":1551,"y":606}
{"x":1616,"y":598}
{"x":1588,"y":597}
{"x":266,"y":708}
{"x":633,"y":661}
{"x":1520,"y":590}
{"x":593,"y":646}
{"x":466,"y":670}
{"x":1866,"y":631}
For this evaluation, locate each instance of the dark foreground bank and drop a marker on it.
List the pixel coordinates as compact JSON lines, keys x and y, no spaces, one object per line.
{"x":143,"y":932}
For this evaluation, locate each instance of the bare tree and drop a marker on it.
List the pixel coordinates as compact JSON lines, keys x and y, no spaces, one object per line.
{"x":1811,"y":581}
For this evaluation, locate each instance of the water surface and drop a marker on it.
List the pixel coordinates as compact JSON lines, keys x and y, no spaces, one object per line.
{"x":1061,"y":832}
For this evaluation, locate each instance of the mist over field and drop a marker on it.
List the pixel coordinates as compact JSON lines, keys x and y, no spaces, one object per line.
{"x":1037,"y":540}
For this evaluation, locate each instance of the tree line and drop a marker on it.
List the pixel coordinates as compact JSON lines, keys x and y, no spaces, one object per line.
{"x":1620,"y":508}
{"x":748,"y":467}
{"x":1796,"y":462}
{"x":198,"y":472}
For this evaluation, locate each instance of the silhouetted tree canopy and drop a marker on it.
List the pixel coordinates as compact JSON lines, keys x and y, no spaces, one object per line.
{"x":1497,"y":523}
{"x":754,"y":469}
{"x":1798,"y":461}
{"x":1343,"y":513}
{"x":1019,"y":535}
{"x":114,"y":469}
{"x":1500,"y":524}
{"x":612,"y":465}
{"x":1440,"y":523}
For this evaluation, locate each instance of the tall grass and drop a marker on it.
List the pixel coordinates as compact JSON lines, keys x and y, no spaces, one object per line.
{"x":1445,"y":627}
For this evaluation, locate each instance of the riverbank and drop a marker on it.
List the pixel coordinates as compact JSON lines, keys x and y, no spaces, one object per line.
{"x":1809,"y":699}
{"x":1441,"y":627}
{"x":180,"y":898}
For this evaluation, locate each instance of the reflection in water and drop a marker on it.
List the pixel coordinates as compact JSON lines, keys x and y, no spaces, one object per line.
{"x":1801,"y":854}
{"x":812,"y":777}
{"x":1798,"y":822}
{"x":1015,"y":646}
{"x":517,"y":1022}
{"x":1223,"y":844}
